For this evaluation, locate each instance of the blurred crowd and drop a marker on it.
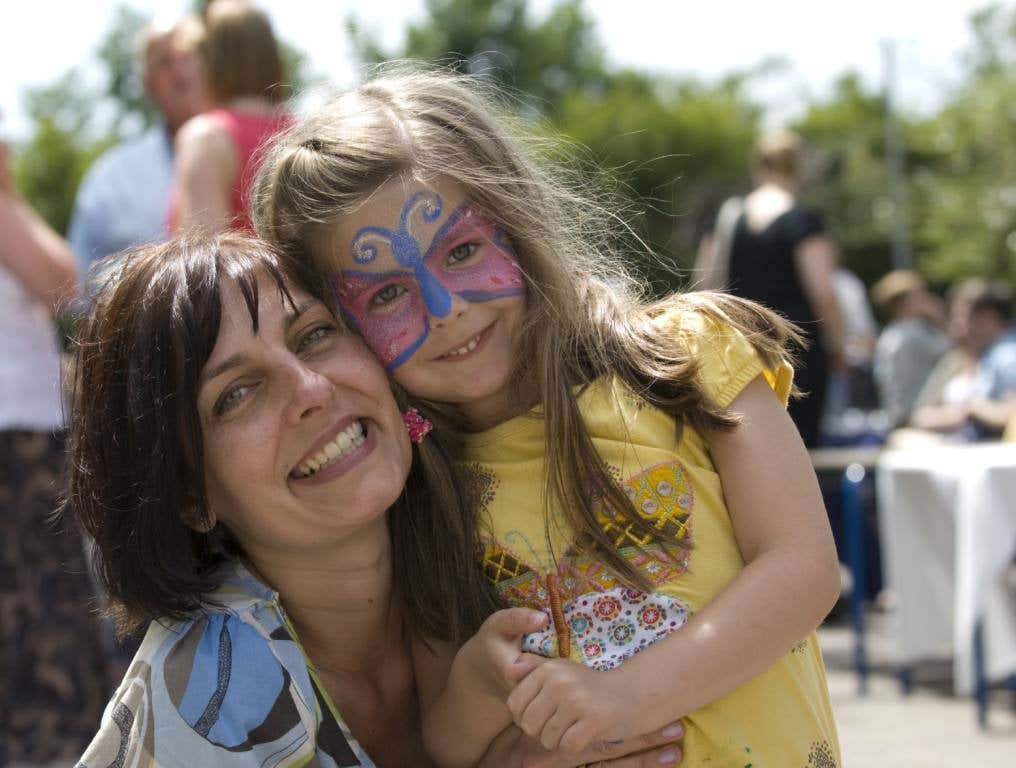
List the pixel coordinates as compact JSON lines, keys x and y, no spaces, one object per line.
{"x":940,"y":370}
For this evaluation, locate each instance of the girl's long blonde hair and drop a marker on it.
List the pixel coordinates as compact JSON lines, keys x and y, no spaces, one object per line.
{"x":587,"y":315}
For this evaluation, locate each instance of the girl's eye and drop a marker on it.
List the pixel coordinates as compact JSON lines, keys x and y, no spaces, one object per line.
{"x":229,"y":399}
{"x":462,"y":252}
{"x":387,"y":295}
{"x":316,"y":334}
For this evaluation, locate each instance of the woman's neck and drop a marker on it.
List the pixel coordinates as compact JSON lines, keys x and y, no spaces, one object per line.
{"x":341,"y":602}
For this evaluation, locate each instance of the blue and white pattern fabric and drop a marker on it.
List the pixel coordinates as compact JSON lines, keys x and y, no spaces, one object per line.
{"x":227,"y":687}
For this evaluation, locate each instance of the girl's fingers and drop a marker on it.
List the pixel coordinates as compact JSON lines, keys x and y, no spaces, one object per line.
{"x":555,"y":727}
{"x":535,"y":717}
{"x":521,"y":696}
{"x":578,"y":737}
{"x":513,"y":623}
{"x":523,"y":665}
{"x":660,"y":757}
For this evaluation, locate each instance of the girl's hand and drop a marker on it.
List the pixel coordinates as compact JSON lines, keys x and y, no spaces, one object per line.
{"x":494,"y":654}
{"x":513,"y":749}
{"x":568,"y":707}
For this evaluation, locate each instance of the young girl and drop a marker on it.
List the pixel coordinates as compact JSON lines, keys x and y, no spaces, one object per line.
{"x":635,"y":473}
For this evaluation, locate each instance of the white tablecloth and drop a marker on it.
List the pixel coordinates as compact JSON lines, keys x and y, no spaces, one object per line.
{"x":947,"y":518}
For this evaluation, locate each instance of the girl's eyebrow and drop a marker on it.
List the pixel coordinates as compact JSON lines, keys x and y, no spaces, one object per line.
{"x":456,"y":220}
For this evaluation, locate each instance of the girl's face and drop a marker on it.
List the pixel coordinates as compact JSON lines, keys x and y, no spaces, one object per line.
{"x":436,"y":291}
{"x":304,"y":445}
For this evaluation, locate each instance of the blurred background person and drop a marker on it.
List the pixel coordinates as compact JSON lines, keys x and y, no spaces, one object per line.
{"x":124,"y":198}
{"x":910,"y":344}
{"x":971,"y":395}
{"x":217,"y":151}
{"x":851,"y":387}
{"x":993,"y":334}
{"x":771,"y":249}
{"x":942,"y":401}
{"x":52,"y":677}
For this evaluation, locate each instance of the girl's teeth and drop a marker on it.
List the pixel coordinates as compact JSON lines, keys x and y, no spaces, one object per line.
{"x":468,"y":348}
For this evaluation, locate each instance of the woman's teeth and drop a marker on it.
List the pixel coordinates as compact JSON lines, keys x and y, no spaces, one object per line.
{"x":343,"y":444}
{"x":469,"y":347}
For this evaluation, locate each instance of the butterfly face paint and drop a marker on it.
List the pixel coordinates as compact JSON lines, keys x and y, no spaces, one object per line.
{"x":410,"y":273}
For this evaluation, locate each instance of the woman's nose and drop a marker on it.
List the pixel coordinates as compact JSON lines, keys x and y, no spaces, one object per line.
{"x":310,"y":392}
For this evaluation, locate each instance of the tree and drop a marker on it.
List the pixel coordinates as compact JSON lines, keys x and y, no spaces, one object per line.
{"x":541,"y":61}
{"x":678,"y":146}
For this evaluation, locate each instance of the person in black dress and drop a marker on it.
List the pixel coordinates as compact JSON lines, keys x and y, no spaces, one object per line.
{"x":769,"y":248}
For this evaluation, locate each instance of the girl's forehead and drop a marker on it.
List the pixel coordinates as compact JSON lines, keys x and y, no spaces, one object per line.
{"x":386,"y":205}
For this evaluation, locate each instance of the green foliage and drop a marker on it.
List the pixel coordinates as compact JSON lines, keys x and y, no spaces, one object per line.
{"x":672,"y":147}
{"x":850,"y":182}
{"x":119,"y":54}
{"x":678,"y":147}
{"x":48,"y":169}
{"x":542,"y":61}
{"x":964,"y":178}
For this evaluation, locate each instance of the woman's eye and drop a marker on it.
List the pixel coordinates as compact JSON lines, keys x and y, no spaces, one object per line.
{"x":315,"y":335}
{"x":230,"y":398}
{"x":461,"y":252}
{"x":387,"y":295}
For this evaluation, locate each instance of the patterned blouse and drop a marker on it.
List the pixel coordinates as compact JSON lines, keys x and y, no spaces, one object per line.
{"x":227,"y":687}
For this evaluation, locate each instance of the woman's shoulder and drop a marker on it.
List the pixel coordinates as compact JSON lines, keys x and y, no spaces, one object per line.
{"x":226,"y":680}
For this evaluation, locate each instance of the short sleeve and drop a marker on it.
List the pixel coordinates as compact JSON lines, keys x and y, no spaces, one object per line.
{"x":804,"y":223}
{"x":726,"y":358}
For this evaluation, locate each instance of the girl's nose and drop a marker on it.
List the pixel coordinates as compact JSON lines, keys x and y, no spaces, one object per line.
{"x":459,"y":307}
{"x":310,"y":392}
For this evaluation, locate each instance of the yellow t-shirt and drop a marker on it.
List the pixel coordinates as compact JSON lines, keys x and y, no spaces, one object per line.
{"x":780,"y":719}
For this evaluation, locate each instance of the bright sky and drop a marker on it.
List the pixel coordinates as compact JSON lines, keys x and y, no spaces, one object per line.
{"x":820,"y":40}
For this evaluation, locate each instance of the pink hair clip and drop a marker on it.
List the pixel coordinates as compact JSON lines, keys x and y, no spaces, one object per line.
{"x":416,"y":425}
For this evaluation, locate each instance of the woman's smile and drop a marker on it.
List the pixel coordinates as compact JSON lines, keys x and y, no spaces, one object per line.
{"x":346,"y":444}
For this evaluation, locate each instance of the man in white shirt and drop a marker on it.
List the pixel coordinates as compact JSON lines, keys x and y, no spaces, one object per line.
{"x":124,"y":198}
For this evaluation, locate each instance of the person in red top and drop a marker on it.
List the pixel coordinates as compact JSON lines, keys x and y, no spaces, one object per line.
{"x":217,"y":151}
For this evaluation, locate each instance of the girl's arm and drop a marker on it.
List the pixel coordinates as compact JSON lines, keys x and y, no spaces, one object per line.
{"x":789,"y":583}
{"x":462,"y":694}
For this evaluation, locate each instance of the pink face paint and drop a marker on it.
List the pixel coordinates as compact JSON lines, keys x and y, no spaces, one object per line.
{"x":392,"y":304}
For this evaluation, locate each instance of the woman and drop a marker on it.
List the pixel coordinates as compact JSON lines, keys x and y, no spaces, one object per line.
{"x":770,"y":249}
{"x":52,"y":675}
{"x":216,"y":152}
{"x":248,"y":479}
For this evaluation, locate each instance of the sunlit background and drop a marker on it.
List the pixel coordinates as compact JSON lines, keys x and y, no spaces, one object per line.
{"x":668,"y":94}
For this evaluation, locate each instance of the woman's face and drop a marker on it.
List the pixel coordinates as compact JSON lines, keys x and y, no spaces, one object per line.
{"x":304,"y":445}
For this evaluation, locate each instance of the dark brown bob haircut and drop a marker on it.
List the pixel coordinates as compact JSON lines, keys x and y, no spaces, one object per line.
{"x":137,"y":481}
{"x":241,"y":53}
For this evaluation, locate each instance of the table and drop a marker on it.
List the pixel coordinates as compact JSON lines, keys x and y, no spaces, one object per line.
{"x":947,"y":520}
